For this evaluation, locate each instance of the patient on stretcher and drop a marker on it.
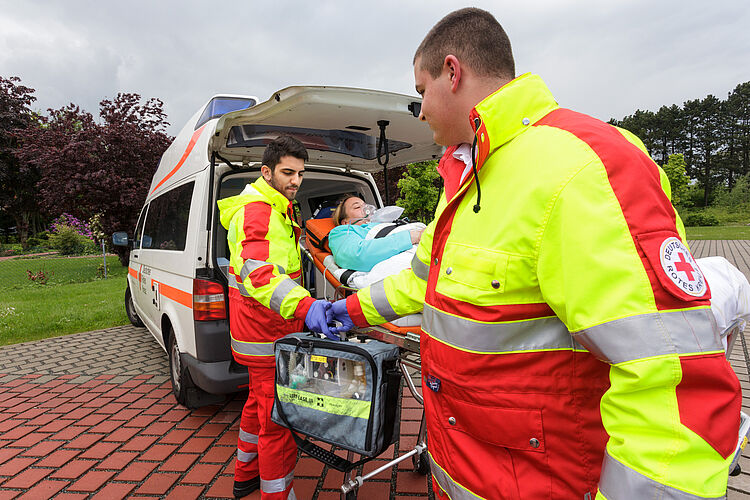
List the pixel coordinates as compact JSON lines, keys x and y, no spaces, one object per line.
{"x":373,"y":248}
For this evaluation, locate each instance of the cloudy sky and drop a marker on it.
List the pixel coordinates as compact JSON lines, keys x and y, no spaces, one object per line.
{"x":602,"y":57}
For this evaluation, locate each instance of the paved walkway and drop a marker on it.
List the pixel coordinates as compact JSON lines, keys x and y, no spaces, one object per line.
{"x":78,"y":419}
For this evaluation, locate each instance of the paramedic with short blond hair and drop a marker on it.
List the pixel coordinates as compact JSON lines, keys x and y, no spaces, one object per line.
{"x":568,"y":347}
{"x":266,"y":302}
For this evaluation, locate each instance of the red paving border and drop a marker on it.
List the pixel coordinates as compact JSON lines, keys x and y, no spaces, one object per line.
{"x":98,"y":439}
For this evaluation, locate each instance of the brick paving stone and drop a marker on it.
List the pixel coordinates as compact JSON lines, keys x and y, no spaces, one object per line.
{"x":17,"y":432}
{"x":123,"y":434}
{"x":174,"y":413}
{"x":93,"y":419}
{"x":158,"y":428}
{"x":179,"y":462}
{"x":84,"y":441}
{"x":142,"y":403}
{"x":106,"y":426}
{"x":114,"y":491}
{"x":73,"y":469}
{"x":218,"y":454}
{"x":140,"y":421}
{"x":157,"y":484}
{"x":77,"y":413}
{"x":411,"y":482}
{"x":375,"y":489}
{"x":305,"y":488}
{"x":222,"y":488}
{"x":58,"y":458}
{"x":30,"y":439}
{"x":100,"y":450}
{"x":8,"y":453}
{"x":71,"y":496}
{"x":69,"y":433}
{"x":185,"y":492}
{"x":196,"y":445}
{"x":229,"y":438}
{"x":91,"y":481}
{"x":43,"y":490}
{"x":158,"y":452}
{"x":27,"y":478}
{"x":136,"y":471}
{"x":125,"y":414}
{"x":139,"y":443}
{"x":44,"y":419}
{"x":32,"y":413}
{"x":201,"y":474}
{"x":409,"y":428}
{"x":43,"y":449}
{"x":177,"y":436}
{"x":15,"y":465}
{"x":192,"y":422}
{"x":212,"y":429}
{"x":117,"y":460}
{"x":56,"y":425}
{"x":308,"y":467}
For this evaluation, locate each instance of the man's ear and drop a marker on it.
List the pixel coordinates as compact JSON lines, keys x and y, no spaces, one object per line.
{"x":266,"y":173}
{"x":453,"y":66}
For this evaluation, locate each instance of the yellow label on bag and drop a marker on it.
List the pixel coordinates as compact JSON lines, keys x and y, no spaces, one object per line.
{"x":318,"y":359}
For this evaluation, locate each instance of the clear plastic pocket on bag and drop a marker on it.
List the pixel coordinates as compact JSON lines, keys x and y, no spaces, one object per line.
{"x":323,"y":375}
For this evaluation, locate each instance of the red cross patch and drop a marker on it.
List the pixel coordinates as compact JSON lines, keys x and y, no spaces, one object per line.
{"x":680,"y":267}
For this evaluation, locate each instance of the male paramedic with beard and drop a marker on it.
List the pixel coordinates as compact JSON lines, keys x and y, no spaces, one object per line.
{"x":568,"y":347}
{"x":266,"y":302}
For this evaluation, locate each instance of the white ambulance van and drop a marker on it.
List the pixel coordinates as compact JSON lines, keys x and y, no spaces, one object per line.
{"x":177,"y":276}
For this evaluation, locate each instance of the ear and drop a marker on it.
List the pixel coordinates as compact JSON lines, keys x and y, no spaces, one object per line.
{"x":453,"y":66}
{"x":266,"y":173}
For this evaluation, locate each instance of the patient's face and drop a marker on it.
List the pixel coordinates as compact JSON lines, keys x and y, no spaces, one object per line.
{"x":354,"y":208}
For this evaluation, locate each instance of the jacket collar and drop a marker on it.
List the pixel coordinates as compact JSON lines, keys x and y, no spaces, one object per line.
{"x":508,"y":112}
{"x":278,"y":201}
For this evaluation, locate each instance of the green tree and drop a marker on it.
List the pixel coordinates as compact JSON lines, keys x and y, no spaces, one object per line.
{"x":419,"y":191}
{"x":678,"y":179}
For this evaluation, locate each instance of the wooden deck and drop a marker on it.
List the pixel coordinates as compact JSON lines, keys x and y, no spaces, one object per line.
{"x":738,"y":253}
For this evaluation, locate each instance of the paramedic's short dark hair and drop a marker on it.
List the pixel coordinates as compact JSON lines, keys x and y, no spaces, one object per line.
{"x":475,"y":37}
{"x":284,"y":145}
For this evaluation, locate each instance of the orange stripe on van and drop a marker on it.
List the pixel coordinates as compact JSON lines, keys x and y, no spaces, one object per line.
{"x":184,"y":298}
{"x":133,"y":272}
{"x":189,"y":148}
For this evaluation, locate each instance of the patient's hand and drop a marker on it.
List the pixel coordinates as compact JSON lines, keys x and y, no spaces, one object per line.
{"x":416,"y":234}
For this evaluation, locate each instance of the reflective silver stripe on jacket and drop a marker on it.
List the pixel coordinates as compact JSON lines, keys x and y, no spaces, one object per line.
{"x":419,"y":268}
{"x":530,"y":335}
{"x":276,"y":485}
{"x":619,"y":482}
{"x":247,"y":437}
{"x":252,"y":348}
{"x":232,"y":281}
{"x":283,"y":289}
{"x":245,"y":456}
{"x":380,"y":301}
{"x":454,"y":490}
{"x":647,"y":335}
{"x":251,"y":265}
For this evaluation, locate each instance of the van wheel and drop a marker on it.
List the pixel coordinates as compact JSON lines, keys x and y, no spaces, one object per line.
{"x":184,"y":389}
{"x":130,"y":309}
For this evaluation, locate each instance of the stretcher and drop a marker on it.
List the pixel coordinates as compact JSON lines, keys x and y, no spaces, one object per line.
{"x":315,"y":247}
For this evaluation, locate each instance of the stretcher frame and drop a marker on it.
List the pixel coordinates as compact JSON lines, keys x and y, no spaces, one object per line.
{"x":407,"y":339}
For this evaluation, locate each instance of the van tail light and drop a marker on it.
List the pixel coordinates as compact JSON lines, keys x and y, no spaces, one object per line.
{"x":208,"y":300}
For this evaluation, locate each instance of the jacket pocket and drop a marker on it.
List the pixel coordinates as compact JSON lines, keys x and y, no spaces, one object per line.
{"x":512,"y":428}
{"x":472,"y":272}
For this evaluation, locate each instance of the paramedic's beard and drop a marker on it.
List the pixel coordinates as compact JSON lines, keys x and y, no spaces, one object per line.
{"x":289,"y":191}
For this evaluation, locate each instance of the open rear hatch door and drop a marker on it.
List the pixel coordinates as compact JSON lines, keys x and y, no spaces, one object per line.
{"x":340,"y":127}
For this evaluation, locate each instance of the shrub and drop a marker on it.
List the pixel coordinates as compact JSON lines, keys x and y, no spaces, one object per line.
{"x":700,"y":219}
{"x":33,"y":242}
{"x":68,"y":241}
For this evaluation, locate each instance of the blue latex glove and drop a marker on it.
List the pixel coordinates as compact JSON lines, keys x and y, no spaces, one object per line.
{"x":317,"y":318}
{"x":340,"y":314}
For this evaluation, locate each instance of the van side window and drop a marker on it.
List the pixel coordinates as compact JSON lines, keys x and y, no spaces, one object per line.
{"x":139,"y":229}
{"x":167,"y":220}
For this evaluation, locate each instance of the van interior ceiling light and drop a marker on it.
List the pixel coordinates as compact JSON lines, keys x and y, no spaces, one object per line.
{"x":383,"y":145}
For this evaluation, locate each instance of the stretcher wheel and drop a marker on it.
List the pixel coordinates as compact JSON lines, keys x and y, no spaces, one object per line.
{"x":421,"y":464}
{"x":352,"y":495}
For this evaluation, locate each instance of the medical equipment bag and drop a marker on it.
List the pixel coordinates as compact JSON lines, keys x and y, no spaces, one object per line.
{"x":342,"y":393}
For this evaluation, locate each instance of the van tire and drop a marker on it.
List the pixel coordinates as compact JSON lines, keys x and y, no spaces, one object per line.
{"x":135,"y":320}
{"x":184,"y":389}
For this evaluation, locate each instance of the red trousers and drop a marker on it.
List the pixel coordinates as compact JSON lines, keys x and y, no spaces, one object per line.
{"x":264,"y":447}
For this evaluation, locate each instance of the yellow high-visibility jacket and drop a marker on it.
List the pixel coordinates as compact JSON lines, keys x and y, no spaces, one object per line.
{"x":267,"y":300}
{"x":568,"y":347}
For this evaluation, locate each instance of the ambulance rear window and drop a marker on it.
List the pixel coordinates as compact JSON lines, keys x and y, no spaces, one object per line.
{"x":223,"y":105}
{"x":344,"y":142}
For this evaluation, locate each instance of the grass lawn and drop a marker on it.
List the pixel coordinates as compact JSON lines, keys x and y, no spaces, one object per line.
{"x":718,"y":233}
{"x":30,"y":311}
